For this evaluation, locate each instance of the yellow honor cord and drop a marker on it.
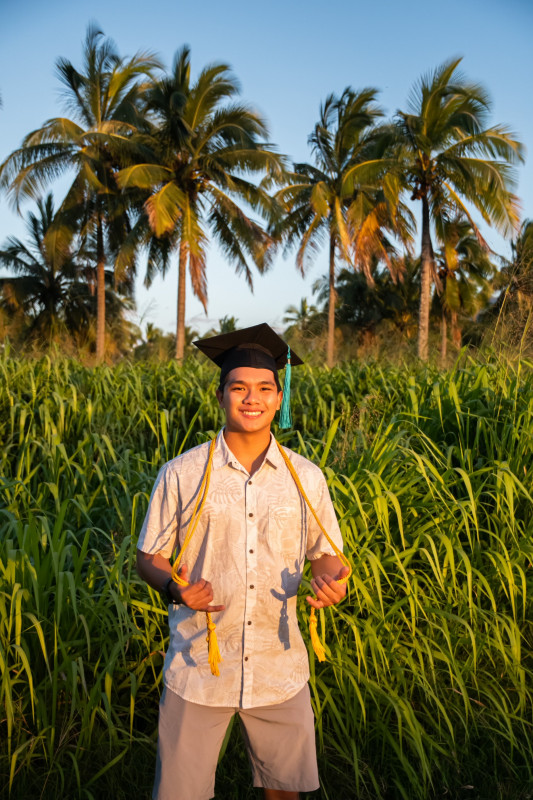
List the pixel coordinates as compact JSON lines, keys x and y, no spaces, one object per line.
{"x":212,"y":642}
{"x":318,"y":647}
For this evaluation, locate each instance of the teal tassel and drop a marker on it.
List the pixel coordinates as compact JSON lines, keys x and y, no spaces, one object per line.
{"x":285,"y":417}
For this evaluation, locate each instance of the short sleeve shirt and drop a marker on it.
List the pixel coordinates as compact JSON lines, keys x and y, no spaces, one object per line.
{"x":250,"y":543}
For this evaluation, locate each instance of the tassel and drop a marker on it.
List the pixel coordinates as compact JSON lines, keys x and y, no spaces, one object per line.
{"x":285,"y":417}
{"x":318,"y":647}
{"x":212,"y":646}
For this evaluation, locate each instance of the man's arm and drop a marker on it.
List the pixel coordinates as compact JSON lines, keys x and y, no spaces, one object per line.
{"x":327,"y":571}
{"x":156,"y":570}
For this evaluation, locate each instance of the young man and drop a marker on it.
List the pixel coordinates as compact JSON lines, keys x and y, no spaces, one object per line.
{"x":243,"y":565}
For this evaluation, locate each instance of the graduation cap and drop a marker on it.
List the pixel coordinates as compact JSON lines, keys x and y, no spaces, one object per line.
{"x":258,"y":347}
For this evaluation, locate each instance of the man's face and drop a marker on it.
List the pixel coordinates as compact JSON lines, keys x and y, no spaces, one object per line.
{"x":250,"y":399}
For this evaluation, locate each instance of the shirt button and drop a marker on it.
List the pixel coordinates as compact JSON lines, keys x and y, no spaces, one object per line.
{"x":249,"y":622}
{"x":246,"y":658}
{"x":252,"y":586}
{"x":250,"y":514}
{"x":250,"y":551}
{"x":249,"y":483}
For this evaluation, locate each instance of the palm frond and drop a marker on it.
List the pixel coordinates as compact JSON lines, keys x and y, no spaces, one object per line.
{"x":164,"y":208}
{"x":143,"y":176}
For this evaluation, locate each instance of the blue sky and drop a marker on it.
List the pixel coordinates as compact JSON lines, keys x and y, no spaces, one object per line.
{"x":288,"y":57}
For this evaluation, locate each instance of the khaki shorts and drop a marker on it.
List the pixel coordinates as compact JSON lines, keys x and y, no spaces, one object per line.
{"x":280,"y":740}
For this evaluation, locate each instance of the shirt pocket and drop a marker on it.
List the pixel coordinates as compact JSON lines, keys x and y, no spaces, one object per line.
{"x":285,"y":527}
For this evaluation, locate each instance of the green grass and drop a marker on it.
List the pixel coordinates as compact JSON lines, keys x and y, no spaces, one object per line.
{"x":428,"y":689}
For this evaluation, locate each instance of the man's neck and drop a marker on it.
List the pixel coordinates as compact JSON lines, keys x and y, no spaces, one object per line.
{"x":248,"y":448}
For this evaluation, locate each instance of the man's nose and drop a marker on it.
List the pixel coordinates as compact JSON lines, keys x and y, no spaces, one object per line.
{"x":252,"y":396}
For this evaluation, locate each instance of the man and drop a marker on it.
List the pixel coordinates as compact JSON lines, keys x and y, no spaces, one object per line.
{"x":243,"y":565}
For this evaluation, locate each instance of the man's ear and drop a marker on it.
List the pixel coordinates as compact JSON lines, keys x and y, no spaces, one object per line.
{"x":219,"y":395}
{"x":280,"y":398}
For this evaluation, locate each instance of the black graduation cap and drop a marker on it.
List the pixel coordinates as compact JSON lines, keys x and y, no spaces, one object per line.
{"x":258,"y":346}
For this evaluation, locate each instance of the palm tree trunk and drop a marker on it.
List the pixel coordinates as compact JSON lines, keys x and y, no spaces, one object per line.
{"x":180,"y":326}
{"x":332,"y":303}
{"x":456,"y":331}
{"x":425,"y":283}
{"x":444,"y":338}
{"x":100,"y":292}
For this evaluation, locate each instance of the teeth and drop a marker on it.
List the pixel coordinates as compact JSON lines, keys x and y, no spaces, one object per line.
{"x":251,"y":413}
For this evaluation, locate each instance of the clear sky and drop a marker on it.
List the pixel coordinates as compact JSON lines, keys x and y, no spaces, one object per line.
{"x":288,"y":57}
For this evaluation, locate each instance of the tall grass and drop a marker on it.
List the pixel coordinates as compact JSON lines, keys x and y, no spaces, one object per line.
{"x":428,"y":687}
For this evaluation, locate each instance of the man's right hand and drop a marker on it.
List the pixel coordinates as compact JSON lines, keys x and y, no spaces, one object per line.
{"x":196,"y":596}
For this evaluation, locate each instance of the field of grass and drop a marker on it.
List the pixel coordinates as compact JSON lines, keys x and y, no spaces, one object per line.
{"x":428,"y":689}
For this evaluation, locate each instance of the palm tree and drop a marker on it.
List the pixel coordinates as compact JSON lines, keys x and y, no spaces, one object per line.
{"x":466,"y":274}
{"x":194,"y":167}
{"x":228,"y":324}
{"x":519,"y":272}
{"x":46,"y":288}
{"x":513,"y":307}
{"x":450,"y":159}
{"x":350,"y":197}
{"x":363,"y":306}
{"x":305,"y":322}
{"x":300,"y":317}
{"x":104,"y":100}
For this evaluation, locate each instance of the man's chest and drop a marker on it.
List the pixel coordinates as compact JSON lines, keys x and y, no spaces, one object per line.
{"x":262,"y":515}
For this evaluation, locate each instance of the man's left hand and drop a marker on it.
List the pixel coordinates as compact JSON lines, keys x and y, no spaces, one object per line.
{"x":327,"y":589}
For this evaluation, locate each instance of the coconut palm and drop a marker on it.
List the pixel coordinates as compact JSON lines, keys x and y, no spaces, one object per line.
{"x":104,"y":100}
{"x":349,"y":197}
{"x":466,"y":274}
{"x":363,"y":306}
{"x":517,"y":274}
{"x":305,"y":321}
{"x":46,"y":288}
{"x":452,"y":161}
{"x":194,"y":167}
{"x":227,"y":324}
{"x":512,"y":310}
{"x":301,"y":316}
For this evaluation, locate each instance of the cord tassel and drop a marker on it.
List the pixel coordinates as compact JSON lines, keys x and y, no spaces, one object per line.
{"x":285,"y":416}
{"x":318,"y":647}
{"x":212,"y":646}
{"x":315,"y":641}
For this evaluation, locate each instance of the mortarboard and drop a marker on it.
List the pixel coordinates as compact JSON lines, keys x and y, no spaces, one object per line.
{"x":259,"y":347}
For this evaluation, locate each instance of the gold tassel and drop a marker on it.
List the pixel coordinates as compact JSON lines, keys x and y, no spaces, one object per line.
{"x":318,"y":647}
{"x":212,"y":645}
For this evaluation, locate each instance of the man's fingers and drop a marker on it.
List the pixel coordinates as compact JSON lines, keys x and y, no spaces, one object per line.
{"x":343,"y":573}
{"x":199,"y":588}
{"x":202,"y":592}
{"x":328,"y":591}
{"x":326,"y":588}
{"x":197,"y":599}
{"x":200,"y":585}
{"x":198,"y":596}
{"x":314,"y":602}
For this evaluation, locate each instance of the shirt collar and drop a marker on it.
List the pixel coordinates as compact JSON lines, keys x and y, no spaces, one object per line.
{"x":223,"y":455}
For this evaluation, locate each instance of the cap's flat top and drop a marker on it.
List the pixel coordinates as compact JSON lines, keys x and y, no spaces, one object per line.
{"x":217,"y":347}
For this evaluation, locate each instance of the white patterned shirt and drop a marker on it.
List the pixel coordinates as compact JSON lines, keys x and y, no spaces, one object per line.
{"x":250,"y":543}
